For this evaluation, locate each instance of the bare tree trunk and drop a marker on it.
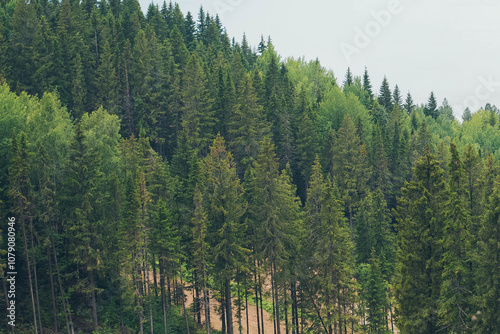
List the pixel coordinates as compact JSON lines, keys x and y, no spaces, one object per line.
{"x":93,"y":297}
{"x":229,"y":308}
{"x":67,"y":311}
{"x":223,"y":310}
{"x":23,"y":227}
{"x":286,"y":309}
{"x":148,"y":285}
{"x":163,"y":294}
{"x":278,"y":329}
{"x":154,"y":275}
{"x":183,"y":297}
{"x":261,"y":308}
{"x":246,"y":306}
{"x":35,"y":275}
{"x":256,"y":296}
{"x":53,"y":292}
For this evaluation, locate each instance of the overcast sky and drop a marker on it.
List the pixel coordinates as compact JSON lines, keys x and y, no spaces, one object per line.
{"x":451,"y":47}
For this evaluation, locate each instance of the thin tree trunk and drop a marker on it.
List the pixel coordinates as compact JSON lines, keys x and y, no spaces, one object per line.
{"x":53,"y":292}
{"x":206,"y":302}
{"x":223,"y":310}
{"x":239,"y":304}
{"x":35,"y":275}
{"x":246,"y":306}
{"x":154,"y":275}
{"x":122,"y":324}
{"x":93,"y":298}
{"x":272,"y":298}
{"x":278,"y":329}
{"x":257,"y":302}
{"x":198,"y":299}
{"x":148,"y":285}
{"x":229,"y":308}
{"x":67,"y":311}
{"x":261,"y":308}
{"x":285,"y":301}
{"x":23,"y":227}
{"x":163,"y":294}
{"x":183,"y":297}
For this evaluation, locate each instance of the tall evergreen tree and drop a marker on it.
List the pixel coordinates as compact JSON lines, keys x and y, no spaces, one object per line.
{"x":431,"y":107}
{"x":421,"y":211}
{"x":224,"y":206}
{"x":385,"y":96}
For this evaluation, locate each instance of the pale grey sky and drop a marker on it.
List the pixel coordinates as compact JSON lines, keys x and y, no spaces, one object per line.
{"x":451,"y":47}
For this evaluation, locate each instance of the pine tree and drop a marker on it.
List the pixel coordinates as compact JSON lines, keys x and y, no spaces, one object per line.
{"x":349,"y":167}
{"x":385,"y":96}
{"x":348,"y":78}
{"x":488,"y":292}
{"x":457,"y":282}
{"x":431,"y":107}
{"x":201,"y":251}
{"x":408,"y":106}
{"x":225,"y":206}
{"x":247,"y":126}
{"x":467,"y":115}
{"x":106,"y":80}
{"x":420,"y":213}
{"x":367,"y":86}
{"x":273,"y":209}
{"x":396,"y":96}
{"x":197,"y":118}
{"x":376,"y":297}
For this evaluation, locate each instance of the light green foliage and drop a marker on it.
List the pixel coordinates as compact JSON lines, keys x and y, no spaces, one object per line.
{"x":335,"y":106}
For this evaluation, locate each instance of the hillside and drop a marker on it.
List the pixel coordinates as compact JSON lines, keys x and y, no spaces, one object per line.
{"x":147,"y":154}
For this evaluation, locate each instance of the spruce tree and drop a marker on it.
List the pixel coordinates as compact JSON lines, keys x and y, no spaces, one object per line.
{"x":431,"y":107}
{"x":457,"y":285}
{"x":488,"y":292}
{"x":223,"y":195}
{"x":197,"y":118}
{"x":350,"y":168}
{"x":420,"y":214}
{"x":247,"y":126}
{"x":385,"y":96}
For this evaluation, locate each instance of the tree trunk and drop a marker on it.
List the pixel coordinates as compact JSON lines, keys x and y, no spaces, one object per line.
{"x":163,"y":294}
{"x":67,"y":311}
{"x":93,"y":297}
{"x":246,"y":306}
{"x":285,"y":300}
{"x":35,"y":275}
{"x":183,"y":297}
{"x":223,"y":310}
{"x":154,"y":276}
{"x":148,"y":285}
{"x":256,"y":297}
{"x":229,"y":308}
{"x":278,"y":329}
{"x":261,"y":308}
{"x":28,"y":265}
{"x":53,"y":292}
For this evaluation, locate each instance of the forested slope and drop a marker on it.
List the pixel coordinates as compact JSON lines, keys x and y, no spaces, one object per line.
{"x":142,"y":155}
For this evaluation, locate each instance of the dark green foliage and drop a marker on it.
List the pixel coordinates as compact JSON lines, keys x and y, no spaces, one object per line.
{"x":385,"y":96}
{"x":431,"y":107}
{"x":421,"y":211}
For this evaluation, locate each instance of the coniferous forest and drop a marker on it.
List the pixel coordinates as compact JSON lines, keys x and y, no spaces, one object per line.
{"x":158,"y":174}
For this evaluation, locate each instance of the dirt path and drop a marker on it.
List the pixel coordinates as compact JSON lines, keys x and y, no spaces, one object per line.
{"x":216,"y":323}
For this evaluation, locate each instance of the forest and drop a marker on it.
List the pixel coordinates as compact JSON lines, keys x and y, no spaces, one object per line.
{"x":150,"y":157}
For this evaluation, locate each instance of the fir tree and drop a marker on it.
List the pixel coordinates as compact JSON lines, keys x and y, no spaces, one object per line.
{"x":431,"y":107}
{"x":421,"y":211}
{"x":385,"y":96}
